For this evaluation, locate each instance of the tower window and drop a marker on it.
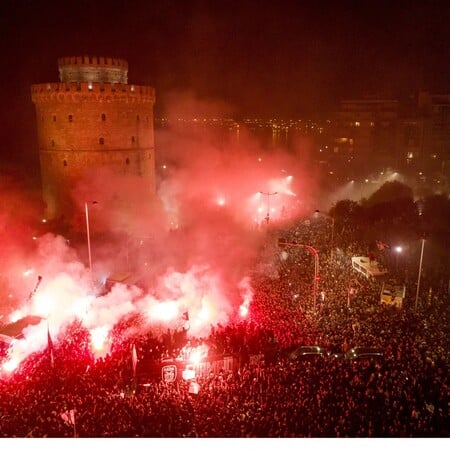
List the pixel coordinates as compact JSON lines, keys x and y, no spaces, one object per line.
{"x":101,"y":141}
{"x":54,"y":118}
{"x":65,"y":163}
{"x":137,"y":118}
{"x":103,"y":117}
{"x":127,"y":161}
{"x":133,"y":139}
{"x":70,"y":118}
{"x":53,"y":143}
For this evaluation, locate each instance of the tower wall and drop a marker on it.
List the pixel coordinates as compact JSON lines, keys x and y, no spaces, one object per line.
{"x":91,"y":124}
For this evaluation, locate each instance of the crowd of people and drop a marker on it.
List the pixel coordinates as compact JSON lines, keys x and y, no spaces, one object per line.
{"x":402,"y":394}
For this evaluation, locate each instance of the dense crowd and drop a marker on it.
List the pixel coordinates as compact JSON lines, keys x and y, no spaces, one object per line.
{"x":403,"y":394}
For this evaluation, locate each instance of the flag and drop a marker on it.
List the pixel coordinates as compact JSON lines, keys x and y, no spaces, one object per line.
{"x":72,"y":416}
{"x":381,"y":245}
{"x":68,"y":417}
{"x":134,"y":359}
{"x":50,"y":347}
{"x":186,"y":316}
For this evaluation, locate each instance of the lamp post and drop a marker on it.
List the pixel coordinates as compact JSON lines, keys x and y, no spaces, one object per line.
{"x":268,"y":203}
{"x":398,"y":250}
{"x":313,"y":251}
{"x":419,"y":275}
{"x":86,"y":212}
{"x":317,"y":212}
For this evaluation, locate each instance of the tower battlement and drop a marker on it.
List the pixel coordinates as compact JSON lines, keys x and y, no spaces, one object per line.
{"x":91,"y":91}
{"x":92,"y":68}
{"x":92,"y":61}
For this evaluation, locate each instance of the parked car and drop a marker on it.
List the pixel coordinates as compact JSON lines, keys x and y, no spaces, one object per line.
{"x":308,"y":352}
{"x":358,"y":353}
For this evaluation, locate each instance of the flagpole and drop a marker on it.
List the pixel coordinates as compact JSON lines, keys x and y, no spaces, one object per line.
{"x":74,"y":424}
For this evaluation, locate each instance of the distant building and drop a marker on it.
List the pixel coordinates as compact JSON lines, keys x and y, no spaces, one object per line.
{"x":366,"y":128}
{"x":92,"y":119}
{"x":434,"y":110}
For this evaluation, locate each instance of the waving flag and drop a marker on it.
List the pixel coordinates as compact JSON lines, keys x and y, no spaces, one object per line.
{"x":382,"y":245}
{"x":50,"y":347}
{"x":134,"y":359}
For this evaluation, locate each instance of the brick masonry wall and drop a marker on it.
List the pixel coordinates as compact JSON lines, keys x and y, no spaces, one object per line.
{"x":83,"y":126}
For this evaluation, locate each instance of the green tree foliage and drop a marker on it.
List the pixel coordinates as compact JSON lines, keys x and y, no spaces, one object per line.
{"x":346,"y":211}
{"x":390,"y":192}
{"x":392,"y":213}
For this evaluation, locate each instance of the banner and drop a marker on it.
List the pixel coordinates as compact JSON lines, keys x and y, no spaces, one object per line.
{"x":169,"y":373}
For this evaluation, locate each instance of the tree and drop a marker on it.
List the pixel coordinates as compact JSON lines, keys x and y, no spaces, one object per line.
{"x":389,"y":192}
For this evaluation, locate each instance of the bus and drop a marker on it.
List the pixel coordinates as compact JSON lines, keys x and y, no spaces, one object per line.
{"x":368,"y":268}
{"x":392,"y":294}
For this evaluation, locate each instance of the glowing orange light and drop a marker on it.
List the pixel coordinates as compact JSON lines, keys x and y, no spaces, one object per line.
{"x":243,"y":310}
{"x":196,"y":356}
{"x":11,"y":365}
{"x":164,"y":311}
{"x":98,"y":337}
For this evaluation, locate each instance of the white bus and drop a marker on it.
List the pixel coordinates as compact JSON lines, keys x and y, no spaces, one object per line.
{"x":393,"y":294}
{"x":370,"y":269}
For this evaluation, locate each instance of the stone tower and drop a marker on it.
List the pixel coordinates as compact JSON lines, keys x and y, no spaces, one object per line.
{"x":92,"y":119}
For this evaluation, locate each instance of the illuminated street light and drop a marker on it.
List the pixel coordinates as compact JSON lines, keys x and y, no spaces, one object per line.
{"x":268,"y":203}
{"x":398,"y":249}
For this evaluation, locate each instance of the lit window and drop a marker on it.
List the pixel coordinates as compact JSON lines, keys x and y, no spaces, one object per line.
{"x":410,"y":155}
{"x":357,"y":124}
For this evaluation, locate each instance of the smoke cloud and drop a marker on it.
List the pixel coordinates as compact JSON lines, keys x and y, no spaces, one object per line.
{"x":191,"y":250}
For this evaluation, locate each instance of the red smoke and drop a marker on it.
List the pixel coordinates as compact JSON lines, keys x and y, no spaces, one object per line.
{"x":201,"y":239}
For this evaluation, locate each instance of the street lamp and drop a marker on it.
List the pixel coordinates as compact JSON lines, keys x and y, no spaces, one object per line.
{"x":317,"y":212}
{"x":268,"y":203}
{"x":86,"y":211}
{"x":420,"y":273}
{"x":283,"y":243}
{"x":398,"y":250}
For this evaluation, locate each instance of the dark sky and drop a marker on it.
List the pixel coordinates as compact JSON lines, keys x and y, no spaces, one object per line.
{"x":280,"y":58}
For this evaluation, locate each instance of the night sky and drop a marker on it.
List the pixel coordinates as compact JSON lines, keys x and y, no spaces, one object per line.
{"x":261,"y":59}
